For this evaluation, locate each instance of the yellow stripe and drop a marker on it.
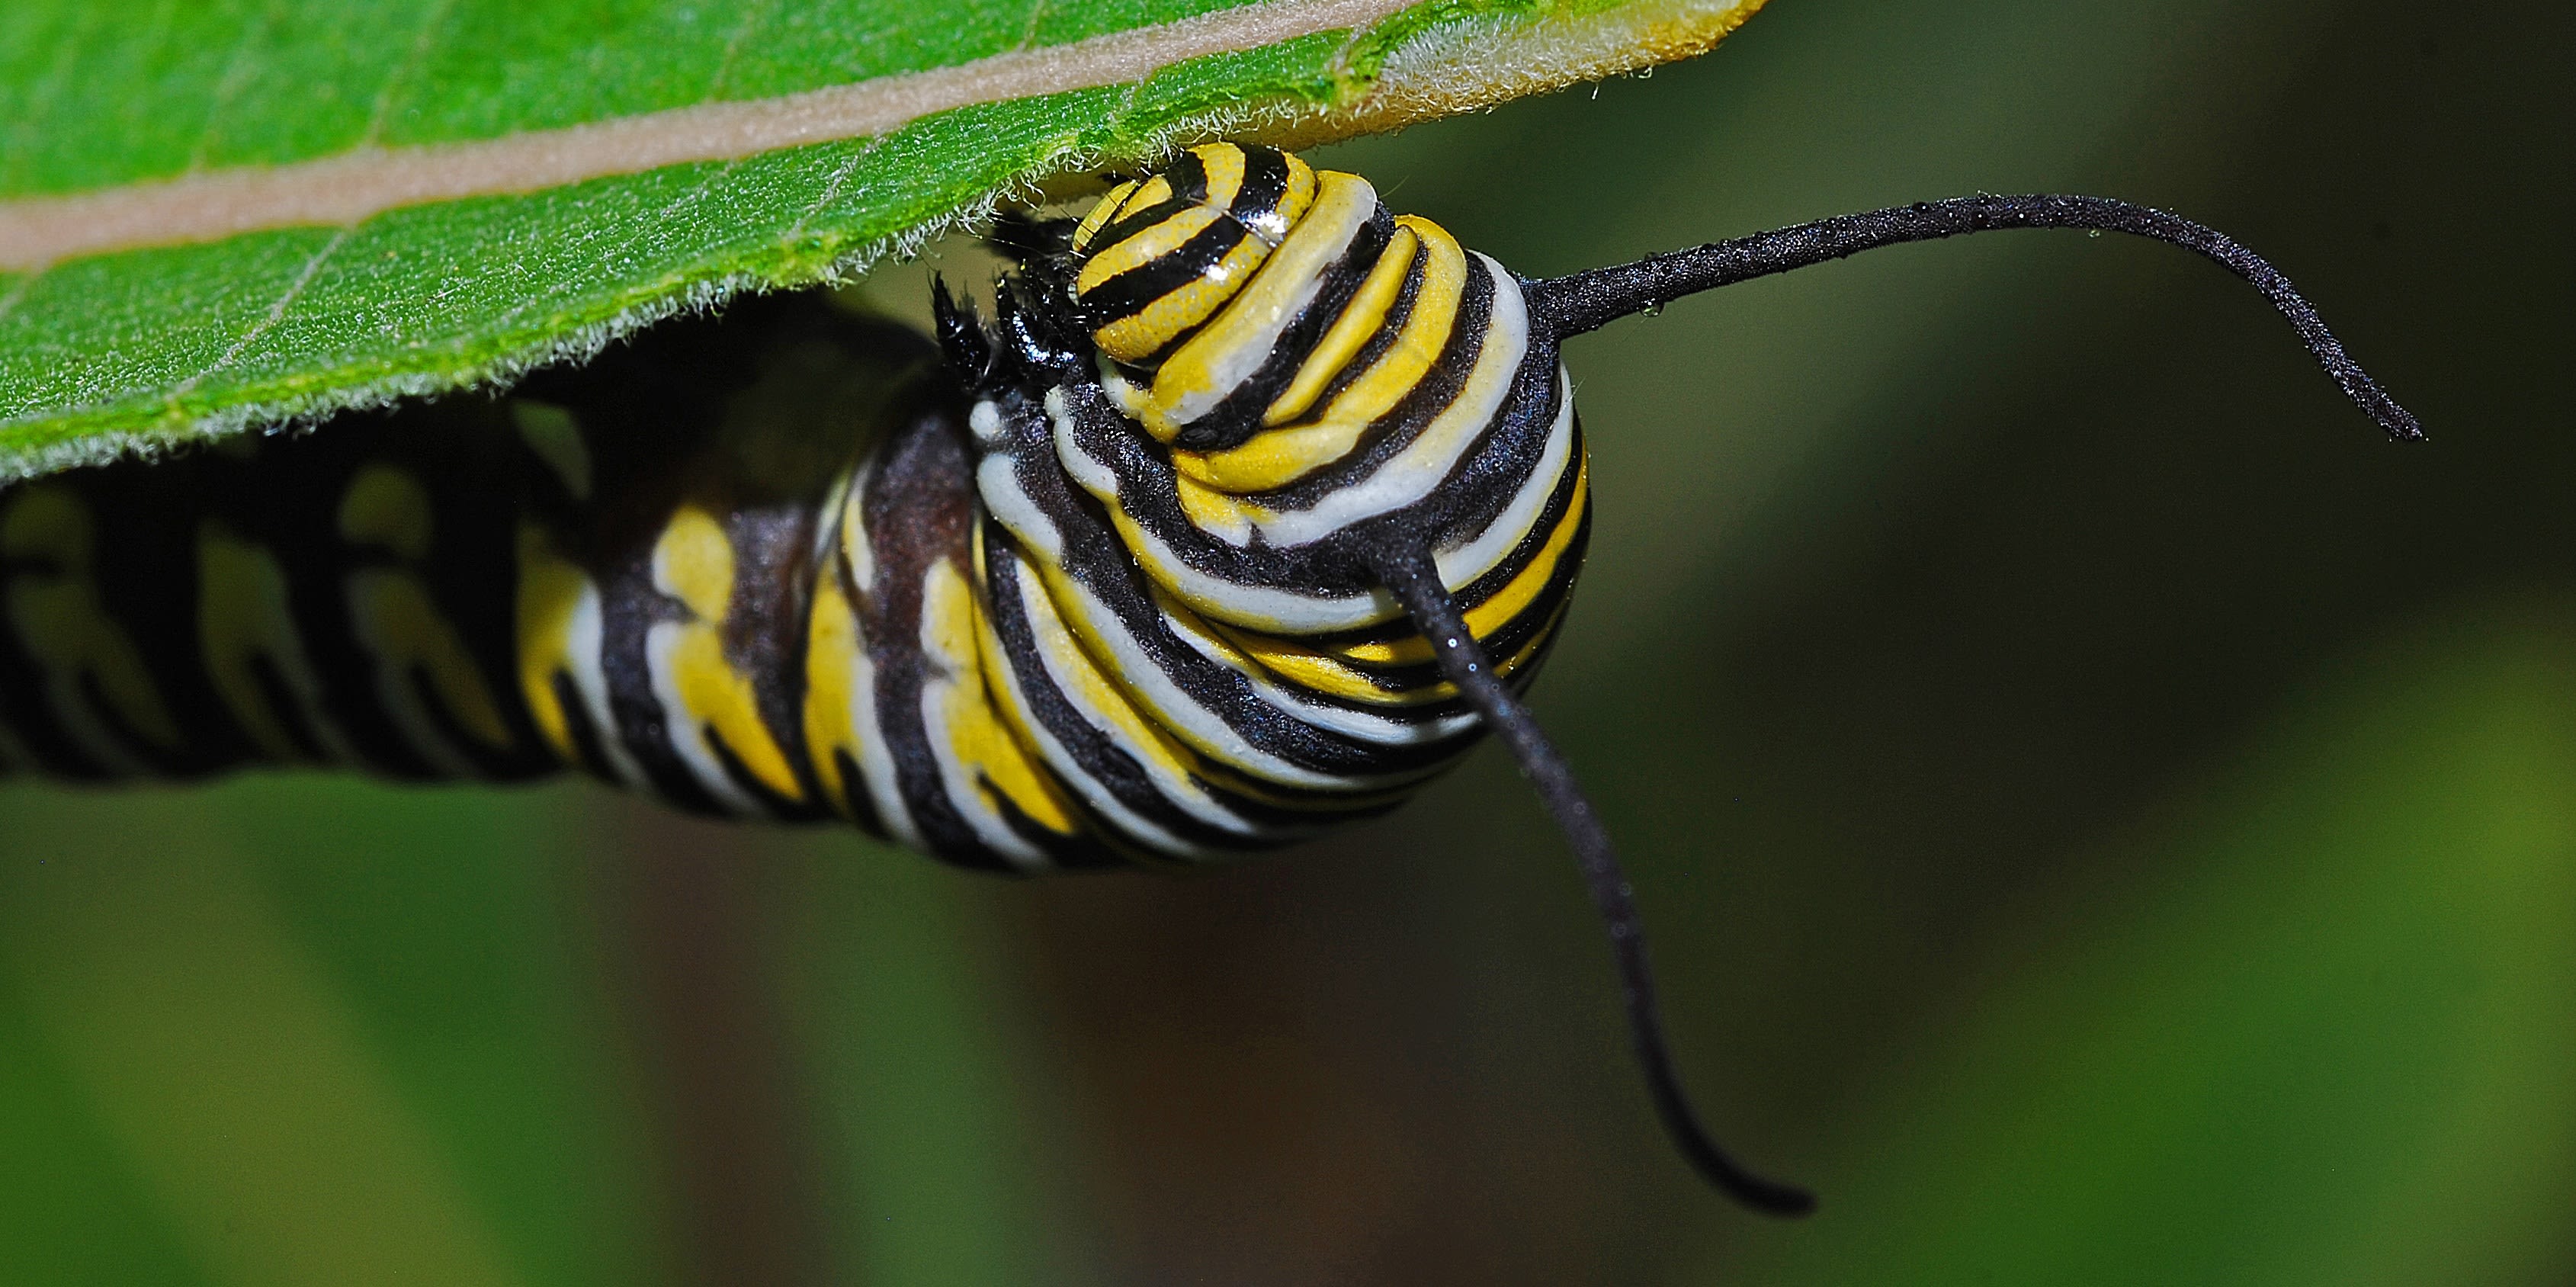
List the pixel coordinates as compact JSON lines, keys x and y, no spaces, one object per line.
{"x":1232,"y":779}
{"x":1131,"y":339}
{"x":1211,"y":511}
{"x":401,"y":624}
{"x":693,"y":562}
{"x":60,"y":616}
{"x":999,"y":762}
{"x":1224,"y":165}
{"x":388,"y":508}
{"x":1098,"y":696}
{"x":1424,"y":335}
{"x":549,"y":590}
{"x":1153,"y":192}
{"x":1016,"y":720}
{"x":243,"y":615}
{"x":1144,"y":247}
{"x":1515,"y":596}
{"x":1155,"y":326}
{"x":1271,"y":459}
{"x":1098,"y":218}
{"x":1329,"y":670}
{"x":1360,"y":322}
{"x":832,"y":660}
{"x":1241,"y":337}
{"x":1315,"y":671}
{"x":1323,"y":673}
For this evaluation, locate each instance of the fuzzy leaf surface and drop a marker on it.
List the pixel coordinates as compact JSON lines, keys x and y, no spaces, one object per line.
{"x":223,"y":216}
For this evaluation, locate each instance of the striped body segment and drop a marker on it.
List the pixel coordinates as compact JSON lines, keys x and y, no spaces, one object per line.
{"x":1092,"y":590}
{"x":1193,"y":423}
{"x":728,"y":565}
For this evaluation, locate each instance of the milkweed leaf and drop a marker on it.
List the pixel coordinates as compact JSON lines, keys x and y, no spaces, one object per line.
{"x":221,"y":217}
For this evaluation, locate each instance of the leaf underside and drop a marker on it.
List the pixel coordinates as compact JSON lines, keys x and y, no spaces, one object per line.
{"x":129,"y":349}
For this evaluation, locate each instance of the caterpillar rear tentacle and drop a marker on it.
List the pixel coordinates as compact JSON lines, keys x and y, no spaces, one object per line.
{"x":1251,"y":507}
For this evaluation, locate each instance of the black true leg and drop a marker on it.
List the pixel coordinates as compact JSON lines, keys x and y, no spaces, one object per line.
{"x":1416,"y":585}
{"x":1583,"y":301}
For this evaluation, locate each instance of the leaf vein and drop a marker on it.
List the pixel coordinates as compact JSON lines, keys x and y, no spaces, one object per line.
{"x":276,"y":312}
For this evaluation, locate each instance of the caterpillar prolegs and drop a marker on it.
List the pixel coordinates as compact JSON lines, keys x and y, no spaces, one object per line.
{"x":1250,"y":509}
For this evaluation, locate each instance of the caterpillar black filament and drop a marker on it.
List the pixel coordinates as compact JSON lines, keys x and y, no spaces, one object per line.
{"x":1251,"y":508}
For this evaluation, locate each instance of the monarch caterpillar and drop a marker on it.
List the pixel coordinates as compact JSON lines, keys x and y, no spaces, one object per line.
{"x":1250,"y":508}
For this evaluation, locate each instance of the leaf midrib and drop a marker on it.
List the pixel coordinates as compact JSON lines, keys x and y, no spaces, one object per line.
{"x":362,"y":182}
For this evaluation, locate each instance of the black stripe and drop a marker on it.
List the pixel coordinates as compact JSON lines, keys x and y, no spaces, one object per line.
{"x":1188,"y":176}
{"x":588,"y":752}
{"x":1081,"y":850}
{"x":1100,"y":755}
{"x":1265,"y":183}
{"x":1130,"y":292}
{"x":1187,"y":179}
{"x":1441,"y":385}
{"x":1230,"y":422}
{"x":1094,"y":556}
{"x":1491,"y":581}
{"x":1505,"y":639}
{"x":1398,"y":312}
{"x":283,"y":705}
{"x":854,"y":794}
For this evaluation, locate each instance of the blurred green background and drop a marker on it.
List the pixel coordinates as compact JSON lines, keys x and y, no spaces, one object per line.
{"x":2103,"y":816}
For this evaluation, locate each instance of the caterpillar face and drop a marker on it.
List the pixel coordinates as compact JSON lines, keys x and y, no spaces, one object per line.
{"x":1249,"y":510}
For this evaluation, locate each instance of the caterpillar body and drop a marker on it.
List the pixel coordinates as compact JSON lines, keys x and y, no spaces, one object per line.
{"x":1250,"y":509}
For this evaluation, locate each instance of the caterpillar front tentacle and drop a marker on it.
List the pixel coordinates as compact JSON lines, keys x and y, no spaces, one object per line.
{"x":1585,"y":301}
{"x":1412,"y":576}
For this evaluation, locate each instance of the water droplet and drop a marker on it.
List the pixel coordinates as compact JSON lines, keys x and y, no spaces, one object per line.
{"x":1654,"y":308}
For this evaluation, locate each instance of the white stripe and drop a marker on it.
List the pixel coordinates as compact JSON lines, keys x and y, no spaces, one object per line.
{"x":1356,"y":724}
{"x":1070,"y":770}
{"x":854,"y":531}
{"x":1343,"y":205}
{"x":1055,"y":640}
{"x":1289,"y":612}
{"x":876,"y":763}
{"x":997,"y":481}
{"x":688,"y":738}
{"x":585,"y":640}
{"x":1462,"y":565}
{"x":1403,"y":480}
{"x":1260,"y":607}
{"x":1428,"y":460}
{"x":940,"y":687}
{"x":1182,"y":714}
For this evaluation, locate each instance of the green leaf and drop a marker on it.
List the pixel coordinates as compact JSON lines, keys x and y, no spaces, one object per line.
{"x":221,"y":216}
